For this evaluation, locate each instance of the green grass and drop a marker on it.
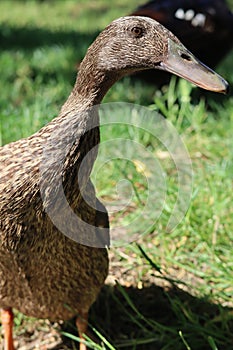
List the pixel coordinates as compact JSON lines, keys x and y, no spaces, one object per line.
{"x":174,"y":287}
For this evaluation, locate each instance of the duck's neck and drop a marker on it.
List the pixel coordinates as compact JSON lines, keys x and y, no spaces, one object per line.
{"x":90,"y":87}
{"x":73,"y":137}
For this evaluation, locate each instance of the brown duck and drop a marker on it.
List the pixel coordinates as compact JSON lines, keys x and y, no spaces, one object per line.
{"x":53,"y":230}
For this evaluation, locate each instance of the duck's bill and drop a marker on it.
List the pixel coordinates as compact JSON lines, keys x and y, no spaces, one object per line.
{"x":183,"y":63}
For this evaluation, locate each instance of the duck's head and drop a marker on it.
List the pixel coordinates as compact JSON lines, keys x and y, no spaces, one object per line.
{"x":135,"y":43}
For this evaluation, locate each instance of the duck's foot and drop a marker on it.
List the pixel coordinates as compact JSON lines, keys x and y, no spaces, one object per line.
{"x":82,"y":324}
{"x":7,"y":325}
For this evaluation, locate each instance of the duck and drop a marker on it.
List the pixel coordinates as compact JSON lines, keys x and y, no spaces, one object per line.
{"x":205,"y":27}
{"x":54,"y":232}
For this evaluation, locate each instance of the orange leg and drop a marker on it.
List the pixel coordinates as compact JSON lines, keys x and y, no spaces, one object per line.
{"x":7,"y":325}
{"x":81,"y":323}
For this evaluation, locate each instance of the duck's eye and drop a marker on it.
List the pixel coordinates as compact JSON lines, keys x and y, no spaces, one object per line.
{"x":137,"y":31}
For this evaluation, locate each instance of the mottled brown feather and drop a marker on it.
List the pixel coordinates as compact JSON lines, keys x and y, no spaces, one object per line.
{"x":43,"y":273}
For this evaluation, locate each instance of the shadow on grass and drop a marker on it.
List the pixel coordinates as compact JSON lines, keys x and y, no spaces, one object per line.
{"x":30,"y":37}
{"x":154,"y":318}
{"x":27,"y":39}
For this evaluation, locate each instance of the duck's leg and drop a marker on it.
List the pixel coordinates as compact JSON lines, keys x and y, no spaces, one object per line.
{"x":7,"y":325}
{"x":81,"y":323}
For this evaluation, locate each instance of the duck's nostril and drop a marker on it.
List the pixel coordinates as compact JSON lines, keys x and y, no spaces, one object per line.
{"x":185,"y":57}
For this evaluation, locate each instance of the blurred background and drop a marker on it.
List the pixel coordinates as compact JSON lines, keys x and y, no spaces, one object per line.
{"x":174,"y":289}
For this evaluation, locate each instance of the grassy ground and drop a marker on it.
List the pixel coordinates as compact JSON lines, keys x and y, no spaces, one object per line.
{"x":174,"y":288}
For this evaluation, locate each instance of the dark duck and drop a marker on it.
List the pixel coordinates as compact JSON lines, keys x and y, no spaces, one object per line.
{"x":205,"y":27}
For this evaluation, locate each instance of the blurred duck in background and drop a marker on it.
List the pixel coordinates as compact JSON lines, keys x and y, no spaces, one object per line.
{"x":204,"y":26}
